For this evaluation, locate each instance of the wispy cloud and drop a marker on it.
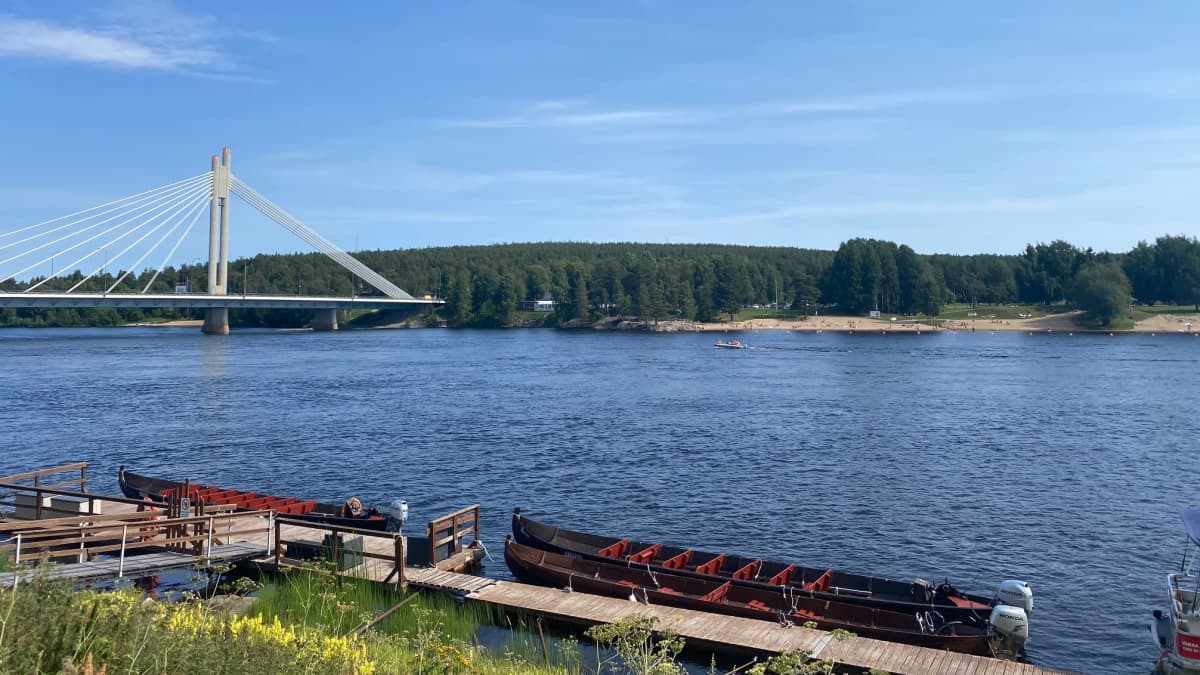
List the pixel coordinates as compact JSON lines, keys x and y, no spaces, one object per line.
{"x":552,"y":114}
{"x":146,"y":36}
{"x":579,"y":113}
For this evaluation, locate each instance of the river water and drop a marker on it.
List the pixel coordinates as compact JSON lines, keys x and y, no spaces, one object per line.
{"x":1060,"y":460}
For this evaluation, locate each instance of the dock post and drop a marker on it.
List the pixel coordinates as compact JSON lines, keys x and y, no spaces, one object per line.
{"x":399,"y":561}
{"x":124,"y":538}
{"x":208,"y":545}
{"x":278,"y":549}
{"x":83,"y":479}
{"x":17,"y":554}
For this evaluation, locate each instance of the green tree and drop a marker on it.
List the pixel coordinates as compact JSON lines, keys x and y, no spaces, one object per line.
{"x":458,"y":303}
{"x":1102,"y":290}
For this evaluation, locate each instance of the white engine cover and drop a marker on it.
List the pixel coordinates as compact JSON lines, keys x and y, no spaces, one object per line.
{"x":1016,"y":594}
{"x":1011,"y":623}
{"x":398,"y":509}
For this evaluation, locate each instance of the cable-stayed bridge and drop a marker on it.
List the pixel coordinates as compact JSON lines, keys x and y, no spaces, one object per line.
{"x":149,"y":228}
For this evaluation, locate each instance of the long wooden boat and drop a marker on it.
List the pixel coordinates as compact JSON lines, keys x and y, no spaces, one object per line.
{"x":925,"y":629}
{"x":136,"y":486}
{"x":817,"y":583}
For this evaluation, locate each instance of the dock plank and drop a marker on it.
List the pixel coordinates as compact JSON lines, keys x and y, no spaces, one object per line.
{"x":718,"y":629}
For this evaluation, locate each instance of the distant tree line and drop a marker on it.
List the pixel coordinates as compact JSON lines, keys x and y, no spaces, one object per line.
{"x":482,"y":285}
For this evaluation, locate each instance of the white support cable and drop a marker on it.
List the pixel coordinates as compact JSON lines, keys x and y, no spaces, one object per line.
{"x":297,"y":228}
{"x":206,"y":185}
{"x":202,"y":190}
{"x":150,"y":196}
{"x":116,"y":201}
{"x":141,"y":212}
{"x":195,"y":206}
{"x":174,"y":248}
{"x":293,"y":225}
{"x":111,"y":262}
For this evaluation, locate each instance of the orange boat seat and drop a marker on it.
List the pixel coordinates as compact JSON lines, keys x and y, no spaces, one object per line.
{"x":822,"y":582}
{"x":615,"y":550}
{"x":712,"y":566}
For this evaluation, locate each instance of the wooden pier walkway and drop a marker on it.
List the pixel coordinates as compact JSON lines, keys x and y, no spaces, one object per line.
{"x":134,"y":565}
{"x":720,"y":631}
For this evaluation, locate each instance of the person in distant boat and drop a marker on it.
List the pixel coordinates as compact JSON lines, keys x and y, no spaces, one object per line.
{"x":353,"y":508}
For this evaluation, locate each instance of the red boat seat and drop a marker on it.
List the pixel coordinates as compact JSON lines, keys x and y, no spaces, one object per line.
{"x":783,"y":578}
{"x":615,"y":550}
{"x":822,"y":582}
{"x":626,"y":582}
{"x":678,"y":562}
{"x":711,"y":567}
{"x":718,"y":594}
{"x":758,"y":604}
{"x":749,"y":571}
{"x":668,"y":591}
{"x":646,"y":555}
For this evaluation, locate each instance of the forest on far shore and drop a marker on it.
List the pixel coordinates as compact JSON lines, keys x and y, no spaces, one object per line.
{"x":482,"y":285}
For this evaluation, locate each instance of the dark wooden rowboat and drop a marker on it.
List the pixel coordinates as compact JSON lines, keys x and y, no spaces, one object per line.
{"x":721,"y":596}
{"x":136,"y":486}
{"x":816,"y":583}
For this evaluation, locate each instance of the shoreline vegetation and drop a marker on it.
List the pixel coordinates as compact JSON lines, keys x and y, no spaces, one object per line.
{"x":709,"y":286}
{"x":1070,"y":321}
{"x":311,"y":621}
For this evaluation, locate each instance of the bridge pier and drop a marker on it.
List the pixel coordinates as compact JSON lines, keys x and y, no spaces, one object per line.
{"x":324,"y":320}
{"x":216,"y":322}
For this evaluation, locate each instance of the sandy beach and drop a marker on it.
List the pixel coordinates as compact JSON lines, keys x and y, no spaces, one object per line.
{"x":1055,"y":323}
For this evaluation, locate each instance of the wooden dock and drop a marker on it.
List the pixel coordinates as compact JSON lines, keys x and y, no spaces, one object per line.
{"x":101,"y":533}
{"x":721,"y":632}
{"x":263,"y":539}
{"x":134,"y":565}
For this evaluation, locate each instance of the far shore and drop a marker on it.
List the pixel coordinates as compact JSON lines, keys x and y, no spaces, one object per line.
{"x":1055,"y":323}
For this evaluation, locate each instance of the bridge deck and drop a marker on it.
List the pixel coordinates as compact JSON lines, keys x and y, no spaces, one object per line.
{"x":134,"y":565}
{"x":719,"y":631}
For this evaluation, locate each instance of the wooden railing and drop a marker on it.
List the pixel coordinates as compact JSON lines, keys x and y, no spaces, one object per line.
{"x":89,"y":535}
{"x":10,"y":494}
{"x":39,"y":477}
{"x":396,"y":556}
{"x":450,"y":530}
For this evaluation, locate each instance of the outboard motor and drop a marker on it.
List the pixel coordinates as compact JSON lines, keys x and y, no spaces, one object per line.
{"x":1009,"y":626}
{"x":397,"y":515}
{"x":1015,"y":594}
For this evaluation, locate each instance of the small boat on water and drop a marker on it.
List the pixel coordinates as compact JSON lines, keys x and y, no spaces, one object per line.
{"x":732,"y":344}
{"x":817,"y":583}
{"x":1177,"y":631}
{"x":639,"y":584}
{"x":349,"y":514}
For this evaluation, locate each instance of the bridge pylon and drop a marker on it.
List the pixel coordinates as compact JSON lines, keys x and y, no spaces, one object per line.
{"x":216,"y":321}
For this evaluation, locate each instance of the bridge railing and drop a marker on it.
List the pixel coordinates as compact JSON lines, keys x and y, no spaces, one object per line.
{"x":83,"y":537}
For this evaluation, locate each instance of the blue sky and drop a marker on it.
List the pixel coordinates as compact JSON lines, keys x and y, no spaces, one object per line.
{"x":953,"y":127}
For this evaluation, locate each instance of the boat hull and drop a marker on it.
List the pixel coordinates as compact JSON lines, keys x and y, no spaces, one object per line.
{"x":135,"y":486}
{"x":892,"y":595}
{"x":717,"y":596}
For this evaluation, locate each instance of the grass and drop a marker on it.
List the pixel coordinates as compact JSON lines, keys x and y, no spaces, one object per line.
{"x":430,"y":633}
{"x":961,"y":311}
{"x":1151,"y":310}
{"x":310,"y":621}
